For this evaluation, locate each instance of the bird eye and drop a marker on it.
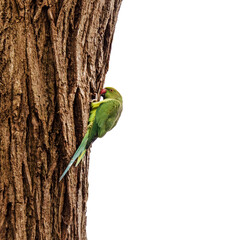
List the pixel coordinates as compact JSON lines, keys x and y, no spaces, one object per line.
{"x":111,"y":90}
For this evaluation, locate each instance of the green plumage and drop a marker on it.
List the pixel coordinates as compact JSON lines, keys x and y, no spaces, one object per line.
{"x":103,"y":117}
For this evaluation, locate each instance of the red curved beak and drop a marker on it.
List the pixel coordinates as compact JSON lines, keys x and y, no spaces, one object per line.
{"x":103,"y":91}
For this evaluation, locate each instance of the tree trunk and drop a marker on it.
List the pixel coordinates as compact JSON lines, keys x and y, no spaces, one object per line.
{"x":53,"y":59}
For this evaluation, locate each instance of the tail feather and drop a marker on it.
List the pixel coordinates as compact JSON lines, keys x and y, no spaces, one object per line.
{"x":80,"y":157}
{"x":80,"y":152}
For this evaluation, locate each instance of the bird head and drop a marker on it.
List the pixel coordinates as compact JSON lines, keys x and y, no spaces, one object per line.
{"x":110,"y":92}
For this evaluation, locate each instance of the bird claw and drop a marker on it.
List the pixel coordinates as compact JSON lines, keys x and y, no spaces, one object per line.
{"x":95,"y":98}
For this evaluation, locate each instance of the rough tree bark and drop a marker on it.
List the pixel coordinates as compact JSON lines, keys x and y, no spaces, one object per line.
{"x":53,"y":59}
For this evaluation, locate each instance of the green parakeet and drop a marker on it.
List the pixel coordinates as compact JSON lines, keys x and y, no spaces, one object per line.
{"x":103,"y":117}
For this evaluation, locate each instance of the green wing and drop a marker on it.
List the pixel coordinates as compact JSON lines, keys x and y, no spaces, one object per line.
{"x":107,"y":116}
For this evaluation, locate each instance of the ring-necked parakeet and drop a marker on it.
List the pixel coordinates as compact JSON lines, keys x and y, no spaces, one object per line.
{"x":103,"y":117}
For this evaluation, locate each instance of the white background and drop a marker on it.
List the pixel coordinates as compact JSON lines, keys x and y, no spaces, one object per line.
{"x":170,"y":169}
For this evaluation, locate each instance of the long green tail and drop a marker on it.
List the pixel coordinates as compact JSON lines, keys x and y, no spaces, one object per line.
{"x":78,"y":154}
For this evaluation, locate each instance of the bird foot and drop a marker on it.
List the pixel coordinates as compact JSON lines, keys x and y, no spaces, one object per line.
{"x":95,"y":98}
